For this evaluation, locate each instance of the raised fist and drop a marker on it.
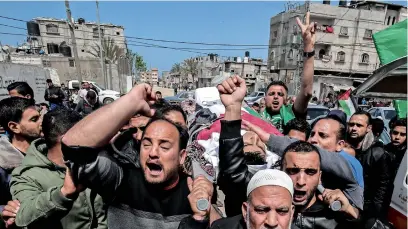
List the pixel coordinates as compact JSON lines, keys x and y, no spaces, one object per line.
{"x":232,"y":91}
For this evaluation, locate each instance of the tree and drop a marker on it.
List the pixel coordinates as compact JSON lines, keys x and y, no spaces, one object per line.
{"x":190,"y":66}
{"x":136,"y":62}
{"x":111,"y":52}
{"x":176,"y":68}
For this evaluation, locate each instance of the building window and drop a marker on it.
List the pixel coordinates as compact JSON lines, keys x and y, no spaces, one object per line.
{"x":51,"y":28}
{"x":290,"y":54}
{"x":46,"y":63}
{"x":365,"y":58}
{"x":71,"y":62}
{"x":295,"y":29}
{"x":76,"y":27}
{"x":82,"y":50}
{"x":322,"y":52}
{"x":388,"y":21}
{"x":393,"y":20}
{"x":272,"y":55}
{"x":96,"y":32}
{"x":117,"y":33}
{"x":368,"y":33}
{"x":341,"y":56}
{"x":275,"y":34}
{"x":344,"y":31}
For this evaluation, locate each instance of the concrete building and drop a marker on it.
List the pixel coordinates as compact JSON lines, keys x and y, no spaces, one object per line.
{"x":344,"y":45}
{"x":65,"y":69}
{"x":53,"y":36}
{"x":207,"y":67}
{"x":254,"y":71}
{"x":151,"y":76}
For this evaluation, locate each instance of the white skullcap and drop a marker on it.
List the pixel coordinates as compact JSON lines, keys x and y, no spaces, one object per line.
{"x":270,"y":177}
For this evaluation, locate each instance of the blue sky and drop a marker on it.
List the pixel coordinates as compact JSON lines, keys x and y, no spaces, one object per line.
{"x":208,"y":22}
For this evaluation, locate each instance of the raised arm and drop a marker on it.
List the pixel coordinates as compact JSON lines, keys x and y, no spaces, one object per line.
{"x":306,"y":89}
{"x":96,"y":129}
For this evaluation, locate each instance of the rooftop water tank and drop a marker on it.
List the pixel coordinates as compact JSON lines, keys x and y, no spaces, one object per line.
{"x":81,"y":21}
{"x":343,"y":3}
{"x":326,"y":2}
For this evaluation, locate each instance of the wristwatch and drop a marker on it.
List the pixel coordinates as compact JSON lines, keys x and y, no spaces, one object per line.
{"x":309,"y":54}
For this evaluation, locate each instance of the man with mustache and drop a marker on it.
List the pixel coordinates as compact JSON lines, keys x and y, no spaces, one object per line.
{"x":269,"y":203}
{"x":277,"y":91}
{"x":155,"y":194}
{"x":377,"y":167}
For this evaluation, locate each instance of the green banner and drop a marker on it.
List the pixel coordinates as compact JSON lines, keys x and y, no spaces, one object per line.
{"x":391,"y":43}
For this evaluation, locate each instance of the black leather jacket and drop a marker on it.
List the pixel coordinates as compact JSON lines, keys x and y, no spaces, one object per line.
{"x":234,"y":177}
{"x":378,"y":173}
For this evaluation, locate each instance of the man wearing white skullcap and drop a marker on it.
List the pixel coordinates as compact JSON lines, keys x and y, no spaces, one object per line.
{"x":268,"y":205}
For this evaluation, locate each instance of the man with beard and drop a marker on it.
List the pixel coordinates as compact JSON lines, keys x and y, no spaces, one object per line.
{"x":21,"y":120}
{"x":153,"y":195}
{"x":398,"y":145}
{"x":37,"y":184}
{"x":277,"y":91}
{"x":269,"y":203}
{"x":377,"y":167}
{"x":234,"y":174}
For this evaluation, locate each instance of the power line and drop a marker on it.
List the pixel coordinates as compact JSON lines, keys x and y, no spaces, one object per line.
{"x":14,"y":19}
{"x":15,"y":27}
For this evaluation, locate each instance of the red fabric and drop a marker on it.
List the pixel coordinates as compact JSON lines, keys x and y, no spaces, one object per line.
{"x":329,"y":29}
{"x":216,"y":126}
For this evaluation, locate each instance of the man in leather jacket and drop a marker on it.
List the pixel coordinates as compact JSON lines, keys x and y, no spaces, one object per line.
{"x":377,"y":167}
{"x":234,"y":174}
{"x":398,"y":145}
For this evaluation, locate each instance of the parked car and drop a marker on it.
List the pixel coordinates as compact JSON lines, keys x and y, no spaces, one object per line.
{"x":316,"y":111}
{"x":254,"y":95}
{"x":386,"y":113}
{"x":180,"y":97}
{"x":105,"y":96}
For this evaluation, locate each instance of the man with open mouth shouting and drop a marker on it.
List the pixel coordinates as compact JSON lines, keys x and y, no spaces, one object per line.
{"x":155,"y":194}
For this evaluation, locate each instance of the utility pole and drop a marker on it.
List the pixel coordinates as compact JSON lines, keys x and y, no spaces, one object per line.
{"x":299,"y":67}
{"x":101,"y":54}
{"x":71,"y":30}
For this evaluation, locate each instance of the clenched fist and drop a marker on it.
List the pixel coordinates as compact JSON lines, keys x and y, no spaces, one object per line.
{"x":232,"y":91}
{"x":200,"y":189}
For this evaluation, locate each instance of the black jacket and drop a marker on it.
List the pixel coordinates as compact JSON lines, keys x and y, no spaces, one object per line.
{"x":54,"y":91}
{"x":378,"y":172}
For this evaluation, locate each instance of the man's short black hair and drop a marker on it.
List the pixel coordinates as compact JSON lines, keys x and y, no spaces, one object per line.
{"x":255,"y":104}
{"x":44,"y":104}
{"x":91,"y":94}
{"x":182,"y":131}
{"x":297,"y":124}
{"x":277,"y":83}
{"x":361,"y":112}
{"x":12,"y":109}
{"x":377,"y":126}
{"x":56,"y":123}
{"x":399,"y":122}
{"x":342,"y":133}
{"x":22,"y":88}
{"x":300,"y":147}
{"x":158,"y":92}
{"x":163,"y":111}
{"x":49,"y":81}
{"x":159,"y":104}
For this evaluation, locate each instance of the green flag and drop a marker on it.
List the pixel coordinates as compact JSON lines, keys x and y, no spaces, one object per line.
{"x":401,"y":108}
{"x":391,"y":43}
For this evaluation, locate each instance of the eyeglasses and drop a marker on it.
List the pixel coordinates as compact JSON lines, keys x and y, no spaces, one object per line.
{"x":294,"y":171}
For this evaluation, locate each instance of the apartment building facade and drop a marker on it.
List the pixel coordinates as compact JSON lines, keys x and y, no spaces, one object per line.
{"x":344,"y":46}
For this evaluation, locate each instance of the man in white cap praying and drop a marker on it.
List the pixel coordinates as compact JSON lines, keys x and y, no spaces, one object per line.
{"x":268,"y":205}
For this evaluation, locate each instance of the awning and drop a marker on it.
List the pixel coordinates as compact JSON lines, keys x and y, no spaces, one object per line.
{"x":389,"y":81}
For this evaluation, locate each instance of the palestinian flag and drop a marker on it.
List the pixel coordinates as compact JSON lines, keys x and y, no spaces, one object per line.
{"x":346,"y":103}
{"x":401,"y":107}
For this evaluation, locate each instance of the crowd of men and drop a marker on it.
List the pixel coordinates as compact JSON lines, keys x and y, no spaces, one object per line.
{"x":129,"y":164}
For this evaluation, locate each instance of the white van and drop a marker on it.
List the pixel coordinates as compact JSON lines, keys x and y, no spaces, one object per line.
{"x":397,"y":214}
{"x":105,"y":96}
